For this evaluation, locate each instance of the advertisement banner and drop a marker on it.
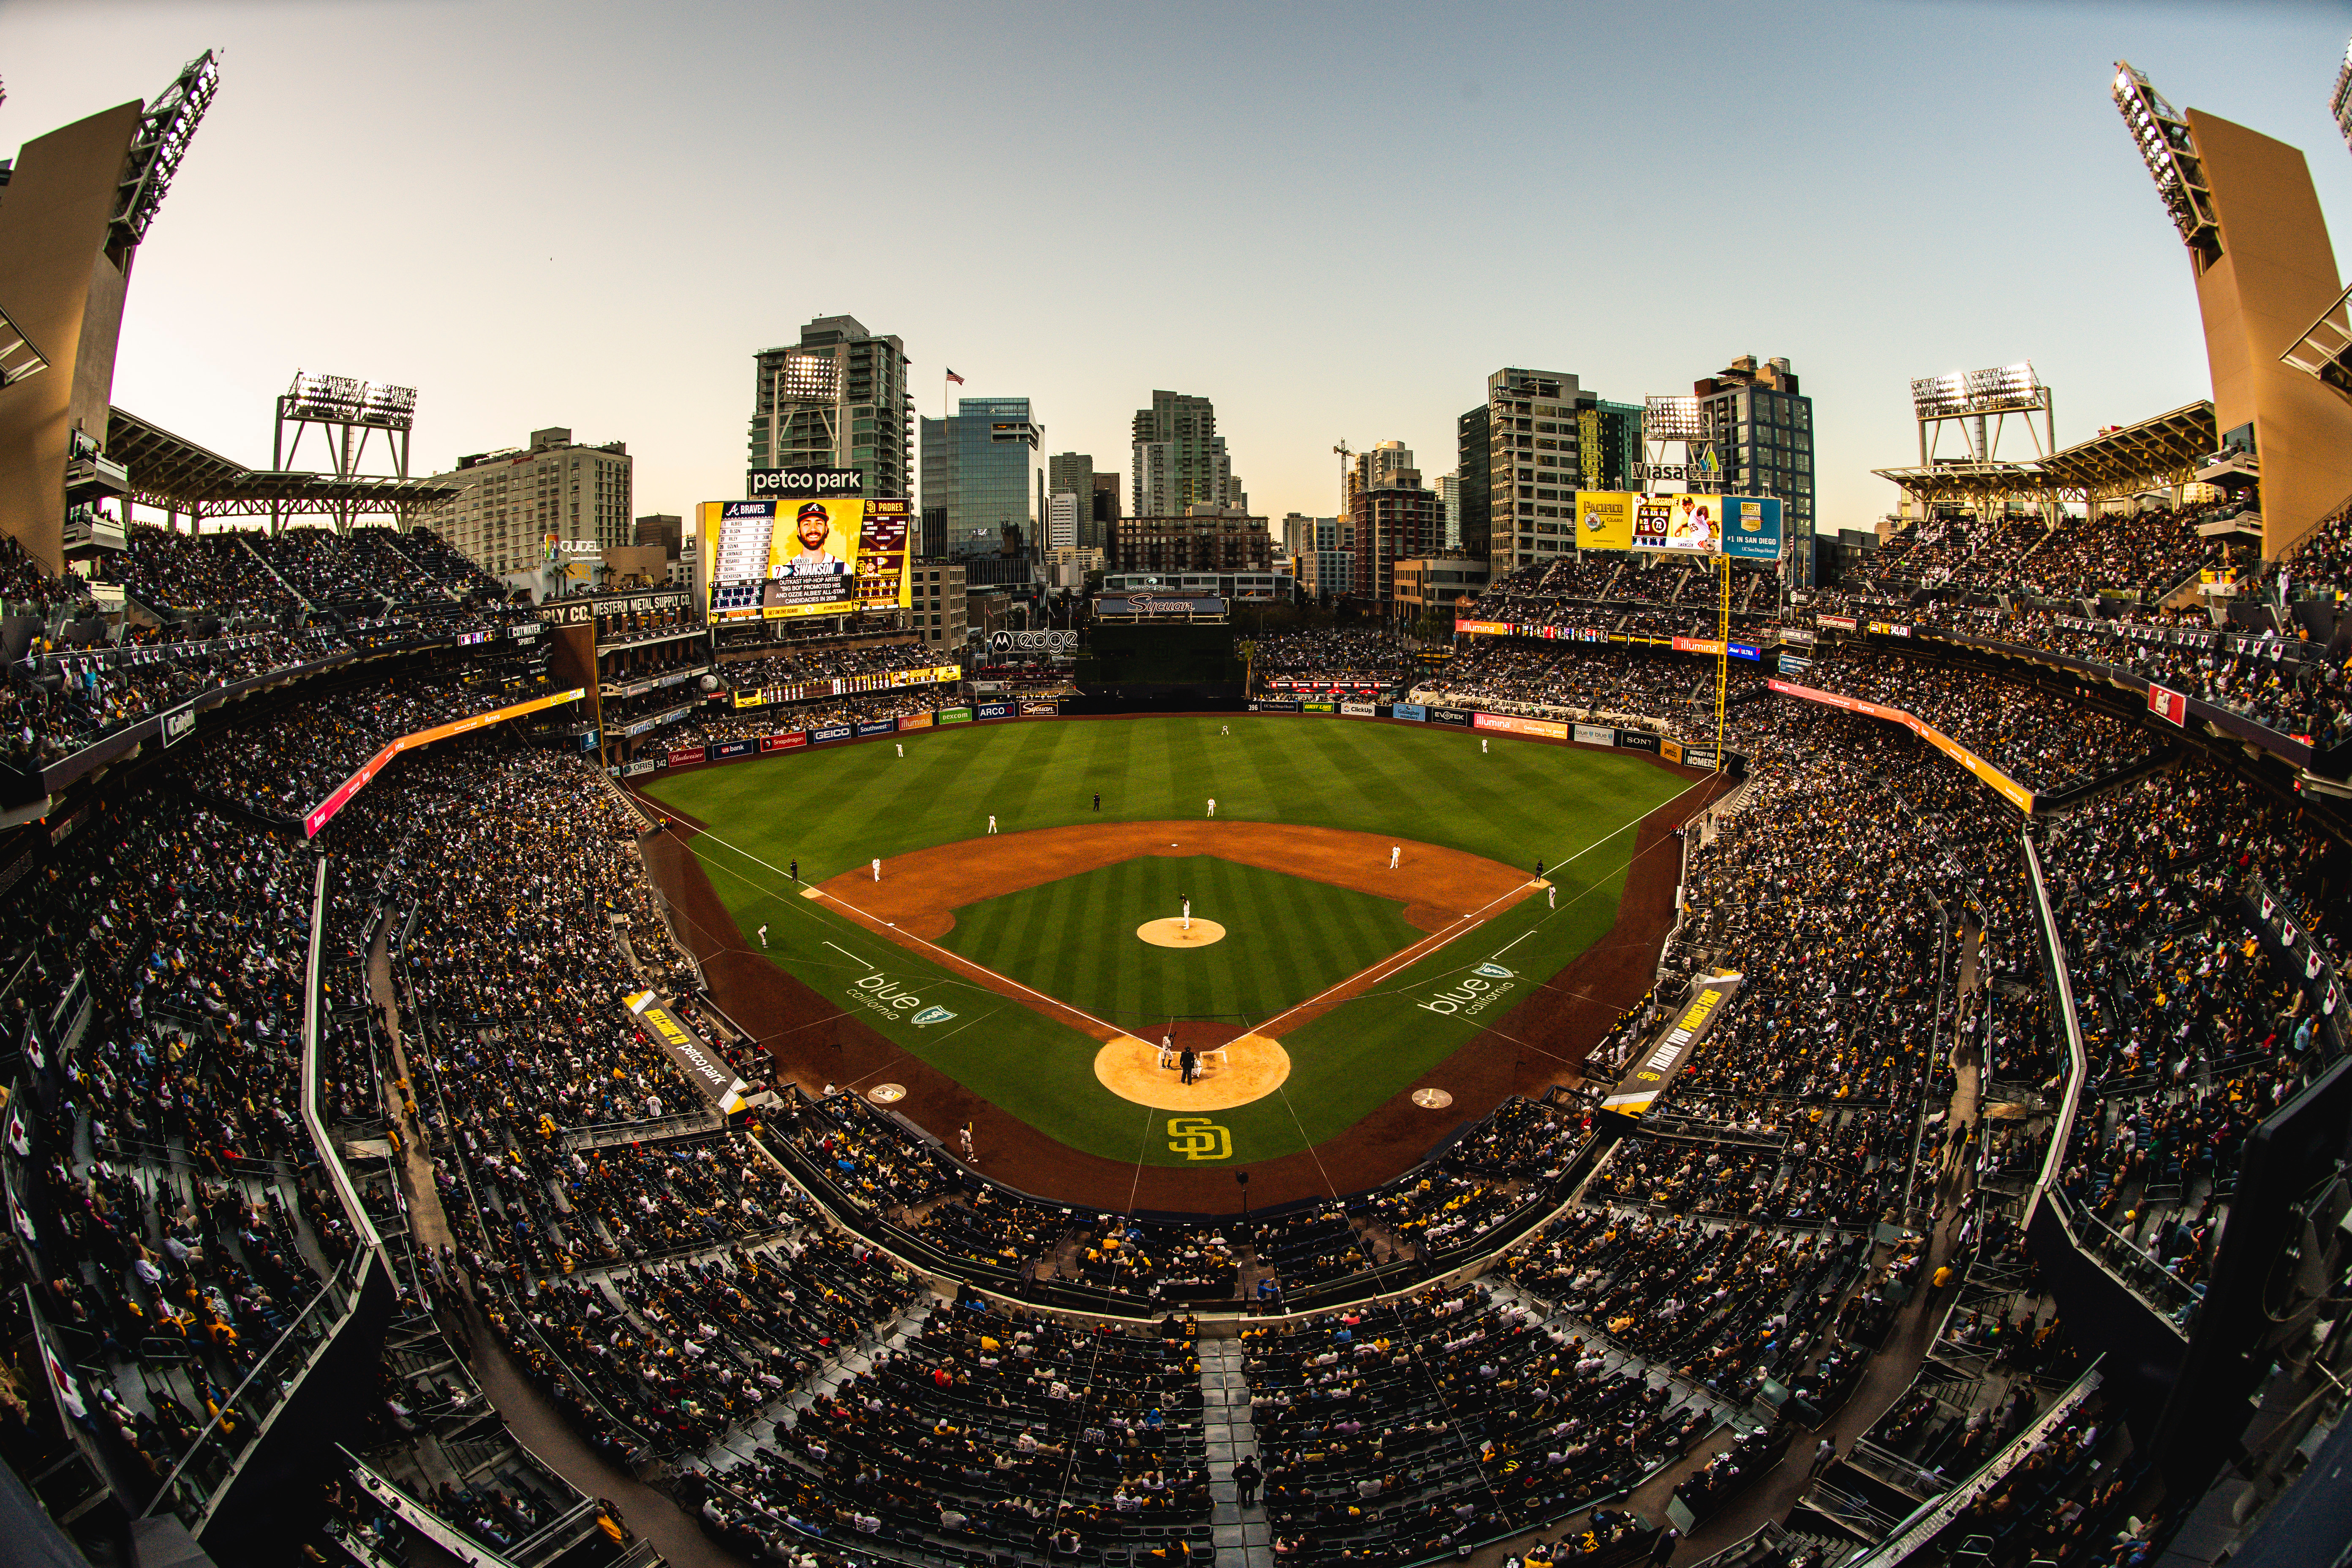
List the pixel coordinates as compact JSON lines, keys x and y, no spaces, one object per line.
{"x":1511,"y":723}
{"x":681,"y":755}
{"x":1636,"y":741}
{"x":1697,"y":645}
{"x":179,"y":723}
{"x":776,"y":558}
{"x":914,"y":722}
{"x":2008,"y":788}
{"x":1485,"y":628}
{"x":705,"y":1068}
{"x":642,"y":765}
{"x":1890,"y":630}
{"x":1459,"y":716}
{"x":993,"y":710}
{"x":1038,"y":709}
{"x":1688,"y":523}
{"x":879,"y":727}
{"x":324,"y":811}
{"x":831,"y":732}
{"x":955,"y":716}
{"x":1836,"y":623}
{"x":751,"y":699}
{"x":1794,"y":663}
{"x":1318,"y":707}
{"x":2167,"y":704}
{"x":1647,"y":1076}
{"x":1744,"y":650}
{"x":791,"y":742}
{"x":1672,"y":751}
{"x":1275,"y":705}
{"x":1797,"y":634}
{"x":1751,"y":526}
{"x":1412,"y":710}
{"x":1358,"y":710}
{"x":725,"y":750}
{"x":1604,"y":520}
{"x":1698,"y":756}
{"x":1593,"y":735}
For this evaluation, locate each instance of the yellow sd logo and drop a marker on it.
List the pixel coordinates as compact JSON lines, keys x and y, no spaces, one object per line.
{"x":1198,"y":1138}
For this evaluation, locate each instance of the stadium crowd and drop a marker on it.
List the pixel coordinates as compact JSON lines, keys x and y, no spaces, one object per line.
{"x":1320,"y":657}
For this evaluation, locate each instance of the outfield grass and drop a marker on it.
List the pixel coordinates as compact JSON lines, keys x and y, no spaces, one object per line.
{"x":1286,"y":940}
{"x":833,"y":809}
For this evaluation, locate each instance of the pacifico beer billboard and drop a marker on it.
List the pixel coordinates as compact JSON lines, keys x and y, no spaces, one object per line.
{"x":785,"y":556}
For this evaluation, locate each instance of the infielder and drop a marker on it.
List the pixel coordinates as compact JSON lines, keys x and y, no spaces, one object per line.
{"x":1394,"y":851}
{"x":877,"y":867}
{"x":1188,"y":914}
{"x":763,"y":936}
{"x":1552,"y":896}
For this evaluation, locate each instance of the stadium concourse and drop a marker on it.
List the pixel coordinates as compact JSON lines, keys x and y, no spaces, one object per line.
{"x":410,"y":1084}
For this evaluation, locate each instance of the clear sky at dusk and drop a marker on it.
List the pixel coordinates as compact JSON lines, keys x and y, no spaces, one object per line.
{"x":1334,"y":221}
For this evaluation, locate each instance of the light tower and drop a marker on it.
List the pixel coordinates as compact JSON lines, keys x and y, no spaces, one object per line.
{"x":346,"y":413}
{"x":1668,"y":422}
{"x":1968,"y":399}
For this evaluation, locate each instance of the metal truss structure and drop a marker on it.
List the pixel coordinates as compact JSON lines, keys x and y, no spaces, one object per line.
{"x":18,"y":356}
{"x":175,"y":476}
{"x":165,"y":129}
{"x":2163,"y":451}
{"x":2325,"y":352}
{"x":2169,"y":150}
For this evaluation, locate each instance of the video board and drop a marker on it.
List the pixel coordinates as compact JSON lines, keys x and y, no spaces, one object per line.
{"x":820,"y":553}
{"x":1745,"y":527}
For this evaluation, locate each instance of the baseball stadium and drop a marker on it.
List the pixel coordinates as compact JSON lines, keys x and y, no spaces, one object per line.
{"x":1714,"y":1043}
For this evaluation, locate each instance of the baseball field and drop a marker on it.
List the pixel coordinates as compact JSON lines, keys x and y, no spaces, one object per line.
{"x":1022,"y":963}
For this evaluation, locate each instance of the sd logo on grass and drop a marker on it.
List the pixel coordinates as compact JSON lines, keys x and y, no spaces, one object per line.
{"x":932,"y":1015}
{"x":1198,"y":1138}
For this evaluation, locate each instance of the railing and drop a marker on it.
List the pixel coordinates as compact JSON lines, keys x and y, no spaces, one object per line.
{"x":606,"y":1134}
{"x":313,"y":1115}
{"x":2141,"y":1274}
{"x":199,"y":1480}
{"x":1930,"y":1519}
{"x":2062,"y":989}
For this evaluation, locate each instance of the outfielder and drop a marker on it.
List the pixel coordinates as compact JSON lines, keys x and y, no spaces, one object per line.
{"x":992,"y":823}
{"x":763,"y":936}
{"x":1213,"y":805}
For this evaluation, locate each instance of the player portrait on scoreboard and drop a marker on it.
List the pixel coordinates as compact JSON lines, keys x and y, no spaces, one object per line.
{"x":814,"y":527}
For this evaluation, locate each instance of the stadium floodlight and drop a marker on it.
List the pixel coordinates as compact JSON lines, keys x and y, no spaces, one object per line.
{"x":1939,"y":396}
{"x":1674,"y":419}
{"x":2339,"y":102}
{"x":2170,"y":151}
{"x":810,"y":377}
{"x":162,"y":140}
{"x":324,"y":397}
{"x":2003,"y":389}
{"x":393,"y":407}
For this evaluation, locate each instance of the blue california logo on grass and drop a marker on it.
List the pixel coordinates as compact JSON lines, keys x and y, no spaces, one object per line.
{"x":1495,"y":972}
{"x":1483,"y":983}
{"x":932,"y":1015}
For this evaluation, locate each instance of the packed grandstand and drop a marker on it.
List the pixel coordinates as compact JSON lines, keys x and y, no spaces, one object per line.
{"x":276,"y":1076}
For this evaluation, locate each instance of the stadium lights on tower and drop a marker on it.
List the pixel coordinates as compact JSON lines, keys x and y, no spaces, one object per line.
{"x":812,"y":376}
{"x":165,"y":131}
{"x":2339,"y":102}
{"x":389,"y":407}
{"x":1674,"y":419}
{"x":2170,"y":154}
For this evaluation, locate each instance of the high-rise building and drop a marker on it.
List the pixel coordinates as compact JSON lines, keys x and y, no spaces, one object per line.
{"x":1449,"y":508}
{"x":1071,"y":474}
{"x":1763,"y":435}
{"x":1395,"y":519}
{"x":976,"y":476}
{"x":1094,"y":533}
{"x":1475,"y":507}
{"x":937,"y":591}
{"x":1324,"y":549}
{"x":837,"y":399}
{"x":510,"y":503}
{"x":1206,"y":539}
{"x":1530,"y":431}
{"x":1062,"y":520}
{"x":1179,"y":459}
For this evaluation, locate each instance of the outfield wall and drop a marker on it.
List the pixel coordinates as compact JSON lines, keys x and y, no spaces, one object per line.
{"x":1597,"y":736}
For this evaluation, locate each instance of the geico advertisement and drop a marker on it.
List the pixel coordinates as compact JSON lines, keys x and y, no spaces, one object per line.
{"x":812,"y":555}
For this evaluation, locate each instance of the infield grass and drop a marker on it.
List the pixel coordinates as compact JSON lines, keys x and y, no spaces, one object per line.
{"x":1286,"y":940}
{"x":834,"y":809}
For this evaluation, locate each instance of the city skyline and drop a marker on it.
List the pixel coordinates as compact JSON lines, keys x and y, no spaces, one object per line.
{"x":603,"y":177}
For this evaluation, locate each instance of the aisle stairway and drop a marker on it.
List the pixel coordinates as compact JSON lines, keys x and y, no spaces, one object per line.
{"x":1241,"y":1534}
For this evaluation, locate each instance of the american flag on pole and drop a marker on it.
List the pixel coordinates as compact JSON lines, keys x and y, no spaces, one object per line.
{"x":954,"y":378}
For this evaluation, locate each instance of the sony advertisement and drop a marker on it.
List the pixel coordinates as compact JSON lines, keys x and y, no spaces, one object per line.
{"x":803,"y":555}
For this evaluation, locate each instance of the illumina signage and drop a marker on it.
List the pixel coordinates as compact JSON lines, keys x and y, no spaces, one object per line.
{"x":809,"y":554}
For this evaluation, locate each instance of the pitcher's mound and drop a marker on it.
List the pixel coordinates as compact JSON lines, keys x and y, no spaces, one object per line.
{"x":1172,"y":934}
{"x":1252,"y":1067}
